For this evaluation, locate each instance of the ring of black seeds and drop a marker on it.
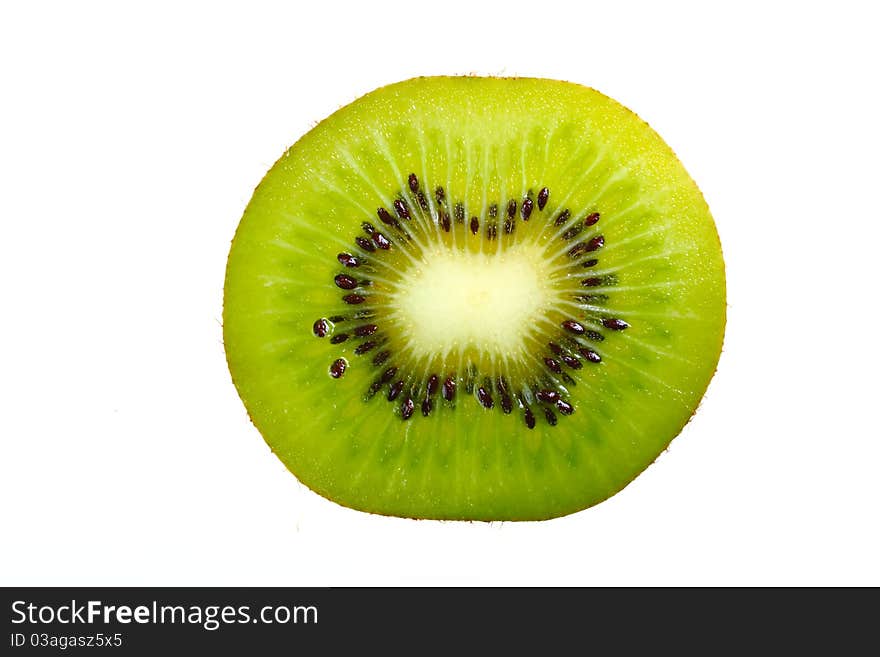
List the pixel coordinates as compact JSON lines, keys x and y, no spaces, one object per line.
{"x":559,"y":360}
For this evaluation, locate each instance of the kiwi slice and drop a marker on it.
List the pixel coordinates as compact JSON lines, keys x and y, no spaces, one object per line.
{"x":474,"y":298}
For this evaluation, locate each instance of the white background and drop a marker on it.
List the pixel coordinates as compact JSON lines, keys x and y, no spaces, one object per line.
{"x":130,"y":142}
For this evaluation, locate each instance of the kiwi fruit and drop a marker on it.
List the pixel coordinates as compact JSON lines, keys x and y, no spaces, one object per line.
{"x":474,"y":298}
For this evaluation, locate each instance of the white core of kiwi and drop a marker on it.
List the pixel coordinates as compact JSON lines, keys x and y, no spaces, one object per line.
{"x":455,"y":301}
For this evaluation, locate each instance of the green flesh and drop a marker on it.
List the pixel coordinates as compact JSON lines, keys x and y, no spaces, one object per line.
{"x":484,"y":140}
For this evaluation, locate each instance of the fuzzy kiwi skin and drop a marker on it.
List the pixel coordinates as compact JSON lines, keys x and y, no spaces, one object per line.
{"x":307,"y":422}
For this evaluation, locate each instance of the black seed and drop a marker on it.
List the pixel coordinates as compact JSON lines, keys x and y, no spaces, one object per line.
{"x":449,"y":389}
{"x":337,"y":369}
{"x":594,"y":335}
{"x":475,"y":225}
{"x":573,"y":327}
{"x":445,"y":223}
{"x":364,"y":347}
{"x":365,"y":330}
{"x":596,"y":243}
{"x":386,"y":217}
{"x":591,"y":219}
{"x":511,"y":209}
{"x":591,"y":298}
{"x":423,"y":202}
{"x":339,"y":338}
{"x":406,"y":408}
{"x":492,"y":231}
{"x":413,"y":182}
{"x":552,"y":364}
{"x":375,"y":387}
{"x":345,"y":282}
{"x":593,"y":281}
{"x":564,"y":407}
{"x":493,"y":210}
{"x":526,"y":209}
{"x":381,"y":357}
{"x":365,"y":244}
{"x":394,"y":390}
{"x":543,"y":195}
{"x":571,"y":361}
{"x":401,"y":209}
{"x":530,"y":418}
{"x":502,"y":385}
{"x":592,"y":262}
{"x":387,"y":375}
{"x":509,"y":225}
{"x":354,"y":299}
{"x":347,"y":259}
{"x":459,"y":213}
{"x":564,"y":216}
{"x":433,"y":382}
{"x":568,"y":379}
{"x":484,"y":397}
{"x":555,"y":348}
{"x":506,"y":404}
{"x":321,"y":327}
{"x":337,"y":318}
{"x":572,"y":232}
{"x":369,"y":229}
{"x":381,"y":241}
{"x":578,"y":250}
{"x":364,"y":314}
{"x":551,"y":417}
{"x":439,"y":194}
{"x":615,"y":324}
{"x":427,"y":405}
{"x":549,"y":396}
{"x":590,"y":355}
